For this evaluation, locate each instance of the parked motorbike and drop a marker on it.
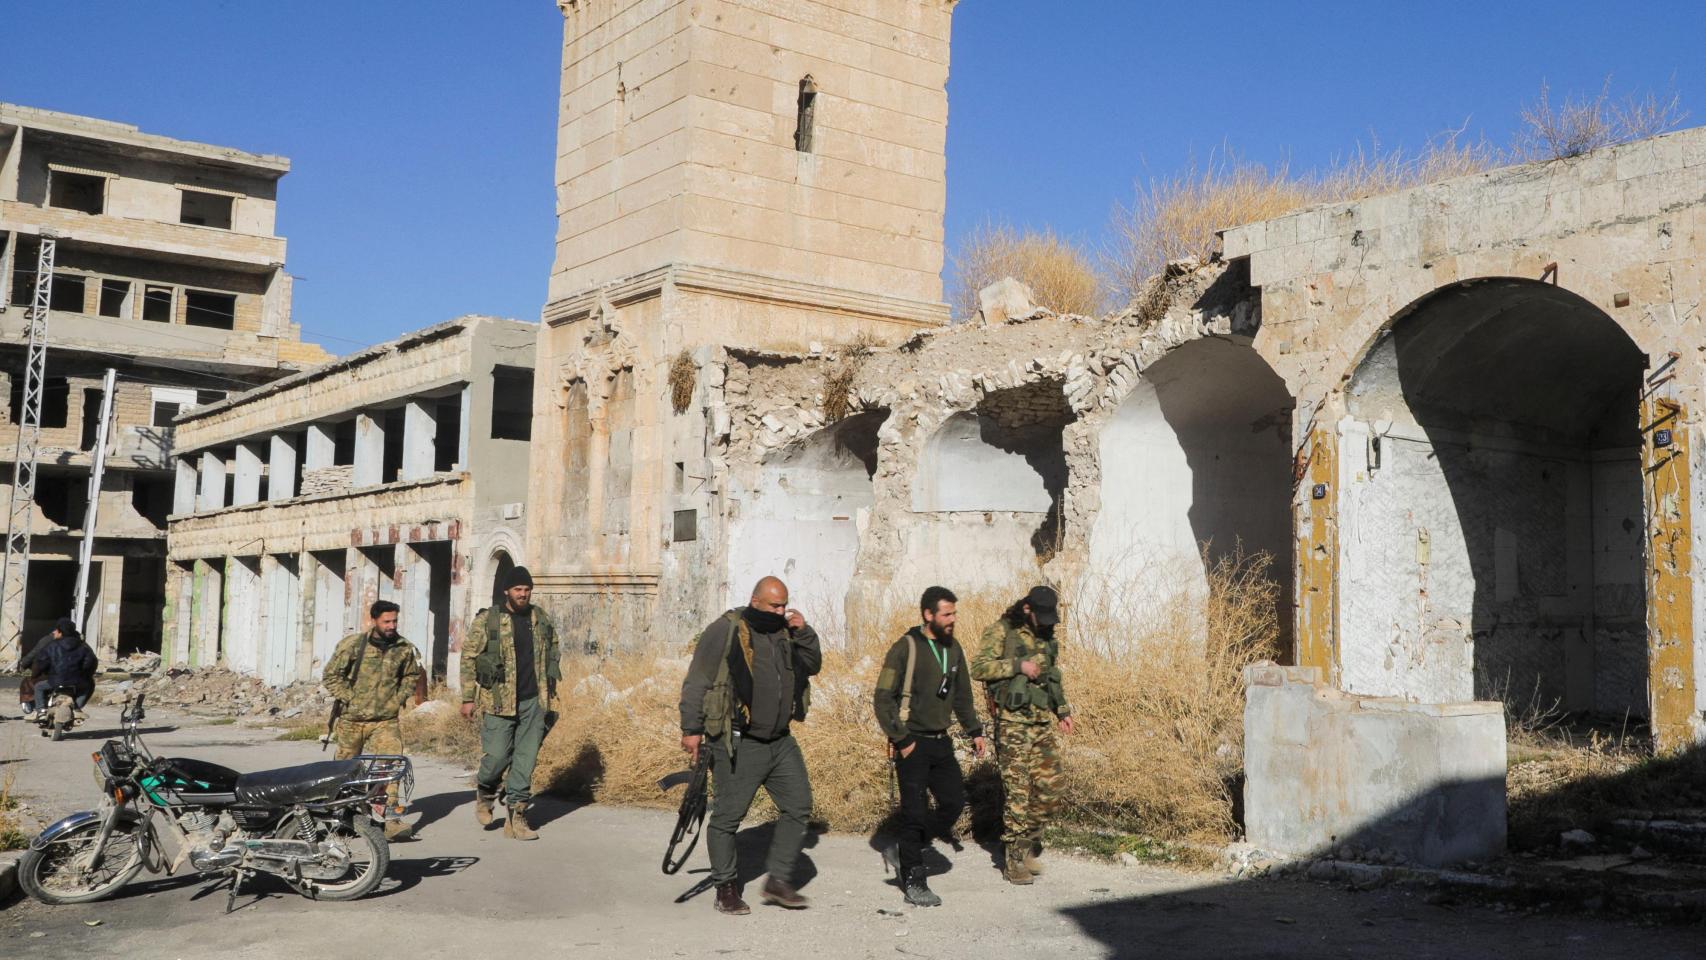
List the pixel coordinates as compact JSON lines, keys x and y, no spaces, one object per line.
{"x":311,"y":825}
{"x":61,"y":714}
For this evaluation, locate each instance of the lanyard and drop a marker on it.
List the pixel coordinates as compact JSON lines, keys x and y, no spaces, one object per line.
{"x":941,"y":654}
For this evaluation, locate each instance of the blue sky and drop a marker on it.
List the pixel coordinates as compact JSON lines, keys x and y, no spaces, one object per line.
{"x":422,"y":132}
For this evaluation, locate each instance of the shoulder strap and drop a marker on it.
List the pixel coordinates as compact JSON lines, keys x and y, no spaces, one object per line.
{"x":906,"y":684}
{"x":739,"y":628}
{"x":358,"y":656}
{"x":494,"y":623}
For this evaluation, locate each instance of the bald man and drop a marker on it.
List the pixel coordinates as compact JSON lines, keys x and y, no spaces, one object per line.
{"x":747,"y":683}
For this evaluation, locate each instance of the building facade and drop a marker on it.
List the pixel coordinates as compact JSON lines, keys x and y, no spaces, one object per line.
{"x":397,"y":473}
{"x":168,"y":269}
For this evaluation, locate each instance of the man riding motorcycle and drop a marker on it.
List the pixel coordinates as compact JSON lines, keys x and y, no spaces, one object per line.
{"x":62,"y":659}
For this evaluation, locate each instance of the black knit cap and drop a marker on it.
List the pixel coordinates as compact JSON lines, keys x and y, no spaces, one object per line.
{"x":519,"y":577}
{"x":1043,"y":601}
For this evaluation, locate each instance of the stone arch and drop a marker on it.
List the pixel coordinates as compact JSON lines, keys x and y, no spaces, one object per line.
{"x":802,"y":511}
{"x":1196,"y":466}
{"x":499,"y":565}
{"x":1490,"y":504}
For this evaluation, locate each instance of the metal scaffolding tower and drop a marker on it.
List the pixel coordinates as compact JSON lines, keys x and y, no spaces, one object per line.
{"x":14,"y":580}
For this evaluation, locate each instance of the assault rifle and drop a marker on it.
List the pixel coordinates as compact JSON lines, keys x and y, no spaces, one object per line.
{"x":331,"y":724}
{"x":692,"y":813}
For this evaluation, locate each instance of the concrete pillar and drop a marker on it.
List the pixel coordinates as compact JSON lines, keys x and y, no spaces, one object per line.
{"x":369,"y":448}
{"x":208,"y":611}
{"x":281,"y":467}
{"x":247,"y":489}
{"x":280,"y":633}
{"x":178,"y":614}
{"x":414,"y":596}
{"x":184,"y":493}
{"x":242,"y":624}
{"x":105,"y":607}
{"x":320,"y":447}
{"x":462,"y":426}
{"x":211,"y":494}
{"x":420,"y":429}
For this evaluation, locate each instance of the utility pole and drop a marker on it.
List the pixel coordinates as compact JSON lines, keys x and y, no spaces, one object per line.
{"x":14,"y":579}
{"x":92,"y":513}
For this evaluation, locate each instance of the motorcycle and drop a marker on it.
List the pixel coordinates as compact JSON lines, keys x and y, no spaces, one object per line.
{"x":61,"y":714}
{"x":311,"y":825}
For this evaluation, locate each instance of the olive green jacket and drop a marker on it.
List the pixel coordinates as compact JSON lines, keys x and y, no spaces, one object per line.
{"x":499,"y":698}
{"x":385,"y":681}
{"x":1021,"y":700}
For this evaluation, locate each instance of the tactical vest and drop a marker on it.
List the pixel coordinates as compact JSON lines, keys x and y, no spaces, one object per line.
{"x":1017,"y":692}
{"x":724,"y":713}
{"x":489,"y":665}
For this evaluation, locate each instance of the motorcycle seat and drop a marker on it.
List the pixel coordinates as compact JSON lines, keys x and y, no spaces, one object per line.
{"x":286,"y":785}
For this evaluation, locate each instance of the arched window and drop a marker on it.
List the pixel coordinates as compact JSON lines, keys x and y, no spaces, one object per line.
{"x":808,"y":112}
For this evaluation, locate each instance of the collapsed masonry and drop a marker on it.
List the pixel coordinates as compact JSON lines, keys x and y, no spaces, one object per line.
{"x":1461,"y":417}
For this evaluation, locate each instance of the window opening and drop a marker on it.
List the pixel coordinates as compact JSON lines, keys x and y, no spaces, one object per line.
{"x":807,"y":115}
{"x":512,"y":403}
{"x":206,"y":209}
{"x":205,"y":309}
{"x":157,"y":303}
{"x":115,"y":298}
{"x":165,"y":412}
{"x":83,"y":192}
{"x":91,"y":418}
{"x":67,"y":294}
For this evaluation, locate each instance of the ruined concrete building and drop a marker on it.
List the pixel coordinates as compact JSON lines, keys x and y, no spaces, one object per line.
{"x":396,"y":473}
{"x":1460,"y":417}
{"x":169,"y":270}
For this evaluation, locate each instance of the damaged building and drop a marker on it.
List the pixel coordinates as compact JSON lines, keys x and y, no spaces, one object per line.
{"x":395,"y":473}
{"x":1457,"y":416}
{"x":167,"y":269}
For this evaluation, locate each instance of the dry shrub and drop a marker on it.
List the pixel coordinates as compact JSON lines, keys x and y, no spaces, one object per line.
{"x":1060,"y":275}
{"x":12,"y":835}
{"x":442,"y":729}
{"x":1580,"y":124}
{"x":841,"y":375}
{"x":1159,"y":703}
{"x":683,"y":374}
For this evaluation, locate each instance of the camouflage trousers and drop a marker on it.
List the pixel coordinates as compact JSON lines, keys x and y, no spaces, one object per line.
{"x":1030,"y":778}
{"x":356,"y":737}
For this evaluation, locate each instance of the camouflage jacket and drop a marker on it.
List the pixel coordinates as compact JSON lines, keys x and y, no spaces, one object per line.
{"x":1021,"y":700}
{"x":499,"y":698}
{"x":384,"y":683}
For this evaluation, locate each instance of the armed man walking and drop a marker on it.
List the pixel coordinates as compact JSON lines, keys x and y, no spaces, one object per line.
{"x":750,"y":677}
{"x":510,"y":669}
{"x":373,"y":675}
{"x":1019,"y":659}
{"x":924,"y":686}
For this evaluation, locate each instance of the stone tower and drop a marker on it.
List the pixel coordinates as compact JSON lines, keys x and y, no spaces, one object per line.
{"x":731,"y":175}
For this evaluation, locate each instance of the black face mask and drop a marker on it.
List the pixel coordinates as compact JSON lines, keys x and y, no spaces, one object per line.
{"x":1044,"y":632}
{"x":763,"y":621}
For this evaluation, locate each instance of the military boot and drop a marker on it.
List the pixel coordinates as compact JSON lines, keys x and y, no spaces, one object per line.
{"x":918,"y":892}
{"x":515,"y":825}
{"x":397,"y":831}
{"x":1016,"y":871}
{"x":729,"y":901}
{"x":483,"y":804}
{"x":1033,"y":855}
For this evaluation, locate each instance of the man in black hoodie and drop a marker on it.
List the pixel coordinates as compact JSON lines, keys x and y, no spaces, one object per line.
{"x":925,"y":685}
{"x":64,"y":660}
{"x":748,"y":680}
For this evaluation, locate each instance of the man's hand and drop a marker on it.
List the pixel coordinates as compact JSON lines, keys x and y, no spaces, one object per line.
{"x":1066,"y":725}
{"x":468,"y":710}
{"x":796,"y":619}
{"x":1030,"y":669}
{"x":690,"y":745}
{"x":979,"y":747}
{"x":906,"y":751}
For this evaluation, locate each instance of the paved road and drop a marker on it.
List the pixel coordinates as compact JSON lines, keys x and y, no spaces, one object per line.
{"x":591,"y":888}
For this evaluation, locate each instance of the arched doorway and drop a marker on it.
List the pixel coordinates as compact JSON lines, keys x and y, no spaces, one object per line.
{"x":1491,"y":531}
{"x":1196,"y":466}
{"x":502,"y":566}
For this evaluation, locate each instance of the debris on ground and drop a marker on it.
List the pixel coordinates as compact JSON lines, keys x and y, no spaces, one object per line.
{"x":224,"y":693}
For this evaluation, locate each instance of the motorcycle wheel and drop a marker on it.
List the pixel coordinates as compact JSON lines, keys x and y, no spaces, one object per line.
{"x":59,"y":730}
{"x":54,"y":874}
{"x":370,"y":857}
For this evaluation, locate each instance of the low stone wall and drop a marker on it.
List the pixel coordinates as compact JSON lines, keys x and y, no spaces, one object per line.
{"x":1326,"y":770}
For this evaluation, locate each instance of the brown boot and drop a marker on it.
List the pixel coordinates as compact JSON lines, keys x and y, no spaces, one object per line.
{"x":1016,"y":871}
{"x":515,"y":825}
{"x":1033,"y":854}
{"x":729,"y":901}
{"x":396,"y":831}
{"x":782,"y":895}
{"x":483,"y":803}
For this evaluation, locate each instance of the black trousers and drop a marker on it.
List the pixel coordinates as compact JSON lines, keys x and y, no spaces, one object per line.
{"x":930,"y":769}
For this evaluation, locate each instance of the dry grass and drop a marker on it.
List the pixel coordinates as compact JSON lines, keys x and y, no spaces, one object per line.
{"x":12,"y":835}
{"x":683,"y":375}
{"x":1159,"y":704}
{"x":1060,"y":275}
{"x":842,"y":373}
{"x":1579,"y":124}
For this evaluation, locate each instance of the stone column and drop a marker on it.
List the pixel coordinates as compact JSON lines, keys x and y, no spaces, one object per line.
{"x":416,"y":616}
{"x":177,"y":616}
{"x":184,"y":493}
{"x":211,"y":495}
{"x":320,"y":448}
{"x":369,"y":448}
{"x":208,"y":609}
{"x":281,"y":467}
{"x":462,"y":426}
{"x":247,"y":488}
{"x":420,"y":429}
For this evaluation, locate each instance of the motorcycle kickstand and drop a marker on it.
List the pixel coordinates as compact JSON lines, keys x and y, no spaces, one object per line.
{"x":237,"y":877}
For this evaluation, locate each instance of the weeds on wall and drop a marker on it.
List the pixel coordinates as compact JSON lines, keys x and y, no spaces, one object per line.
{"x":1061,"y":276}
{"x":683,"y":376}
{"x":841,"y":374}
{"x":1578,"y":124}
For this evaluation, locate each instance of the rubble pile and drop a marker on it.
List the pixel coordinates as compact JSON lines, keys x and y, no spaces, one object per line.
{"x":230,"y":694}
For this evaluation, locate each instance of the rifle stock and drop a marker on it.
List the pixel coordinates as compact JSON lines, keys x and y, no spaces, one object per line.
{"x":331,"y":724}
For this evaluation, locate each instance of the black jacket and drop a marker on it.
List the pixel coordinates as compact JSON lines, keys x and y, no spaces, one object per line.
{"x":65,"y":662}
